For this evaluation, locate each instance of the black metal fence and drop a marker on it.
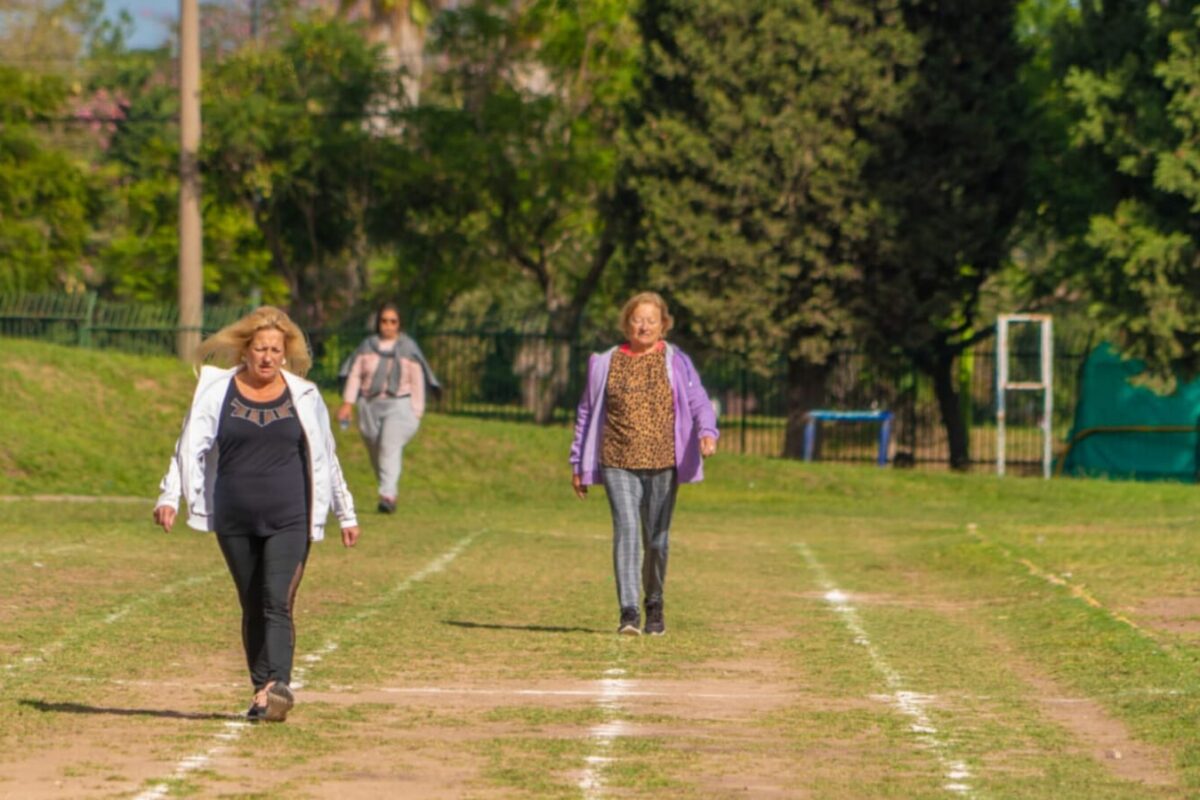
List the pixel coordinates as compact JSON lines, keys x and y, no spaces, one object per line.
{"x":500,"y":373}
{"x":519,"y":376}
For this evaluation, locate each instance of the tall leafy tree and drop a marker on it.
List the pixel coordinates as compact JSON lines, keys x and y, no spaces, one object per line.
{"x":287,"y":139}
{"x":517,"y":142}
{"x":746,"y":156}
{"x":47,"y":197}
{"x":137,"y":150}
{"x":400,"y":27}
{"x":46,"y":36}
{"x":1130,"y":72}
{"x":951,"y":175}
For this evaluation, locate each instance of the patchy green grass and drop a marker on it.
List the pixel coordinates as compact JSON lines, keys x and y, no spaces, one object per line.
{"x":1047,"y":634}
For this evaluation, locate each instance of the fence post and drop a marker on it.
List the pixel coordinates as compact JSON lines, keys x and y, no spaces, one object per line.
{"x":745,"y":406}
{"x":85,"y":326}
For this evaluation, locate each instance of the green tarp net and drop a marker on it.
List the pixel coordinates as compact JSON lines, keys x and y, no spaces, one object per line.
{"x":1126,"y":431}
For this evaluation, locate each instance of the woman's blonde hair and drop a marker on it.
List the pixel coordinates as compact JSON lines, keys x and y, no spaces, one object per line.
{"x":651,"y":298}
{"x":228,"y":346}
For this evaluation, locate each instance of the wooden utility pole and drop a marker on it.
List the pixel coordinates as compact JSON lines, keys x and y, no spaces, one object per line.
{"x":191,"y":265}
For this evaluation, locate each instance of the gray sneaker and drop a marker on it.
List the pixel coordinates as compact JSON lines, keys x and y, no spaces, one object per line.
{"x":630,"y":620}
{"x":655,"y":624}
{"x":279,"y":702}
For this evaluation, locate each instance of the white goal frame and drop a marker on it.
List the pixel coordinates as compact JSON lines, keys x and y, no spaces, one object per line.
{"x":1044,"y":383}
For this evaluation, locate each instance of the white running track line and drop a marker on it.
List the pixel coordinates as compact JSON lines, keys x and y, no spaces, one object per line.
{"x":1076,"y":590}
{"x":32,"y":554}
{"x":604,"y":692}
{"x":115,"y":616}
{"x":73,"y":498}
{"x":338,"y":690}
{"x":908,"y":703}
{"x":612,"y":691}
{"x":233,"y":730}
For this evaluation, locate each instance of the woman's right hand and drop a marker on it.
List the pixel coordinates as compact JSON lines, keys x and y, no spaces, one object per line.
{"x":577,"y":485}
{"x":343,"y":413}
{"x":165,"y":517}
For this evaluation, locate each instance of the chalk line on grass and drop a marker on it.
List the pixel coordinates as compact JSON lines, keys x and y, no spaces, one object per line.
{"x":1076,"y":590}
{"x":47,"y":651}
{"x":233,"y":730}
{"x":603,"y":692}
{"x":612,"y":691}
{"x":230,"y":731}
{"x":912,"y":704}
{"x":32,"y":554}
{"x":74,"y":498}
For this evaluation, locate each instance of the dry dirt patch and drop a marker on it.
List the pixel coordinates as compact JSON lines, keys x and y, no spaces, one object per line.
{"x":1101,"y":736}
{"x":1179,"y":615}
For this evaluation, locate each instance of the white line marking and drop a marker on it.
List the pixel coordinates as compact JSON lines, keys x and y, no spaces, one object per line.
{"x":568,"y":692}
{"x":26,"y":553}
{"x":612,"y":691}
{"x":1078,"y":591}
{"x":47,"y":651}
{"x":72,"y":498}
{"x":233,"y":730}
{"x":466,"y":690}
{"x":911,"y":704}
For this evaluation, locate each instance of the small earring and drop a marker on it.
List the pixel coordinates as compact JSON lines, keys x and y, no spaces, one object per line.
{"x":283,"y":361}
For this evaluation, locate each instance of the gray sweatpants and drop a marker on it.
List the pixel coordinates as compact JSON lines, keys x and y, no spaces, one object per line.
{"x":386,"y":425}
{"x":645,"y":500}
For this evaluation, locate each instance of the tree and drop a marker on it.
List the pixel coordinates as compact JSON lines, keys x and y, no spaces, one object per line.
{"x":400,"y":28}
{"x":950,"y":172}
{"x":518,"y":137}
{"x":287,"y":139}
{"x":746,"y":156}
{"x":46,"y":197}
{"x":1130,"y":74}
{"x":137,"y":152}
{"x":46,"y":36}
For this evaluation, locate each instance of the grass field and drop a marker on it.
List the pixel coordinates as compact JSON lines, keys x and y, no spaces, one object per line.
{"x":832,"y":632}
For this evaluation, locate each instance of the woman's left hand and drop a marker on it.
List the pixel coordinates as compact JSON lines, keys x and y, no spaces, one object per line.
{"x":708,"y":446}
{"x":350,"y":536}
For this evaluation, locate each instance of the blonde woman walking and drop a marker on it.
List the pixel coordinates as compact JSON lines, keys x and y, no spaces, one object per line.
{"x":255,"y":464}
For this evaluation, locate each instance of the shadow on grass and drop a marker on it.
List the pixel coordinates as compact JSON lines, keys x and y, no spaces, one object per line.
{"x":79,"y":708}
{"x":534,"y":628}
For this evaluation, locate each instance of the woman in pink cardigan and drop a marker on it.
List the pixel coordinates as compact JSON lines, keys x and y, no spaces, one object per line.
{"x":386,"y":381}
{"x":643,"y":426}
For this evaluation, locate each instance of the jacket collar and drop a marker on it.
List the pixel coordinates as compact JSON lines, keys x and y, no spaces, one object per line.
{"x":210,"y":375}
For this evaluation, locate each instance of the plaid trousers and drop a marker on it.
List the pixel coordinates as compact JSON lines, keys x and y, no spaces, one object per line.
{"x":645,"y":500}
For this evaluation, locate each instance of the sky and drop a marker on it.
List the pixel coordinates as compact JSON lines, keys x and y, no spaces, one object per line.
{"x":152,"y":19}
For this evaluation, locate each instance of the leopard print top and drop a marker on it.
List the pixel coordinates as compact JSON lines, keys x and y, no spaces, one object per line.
{"x":639,"y":427}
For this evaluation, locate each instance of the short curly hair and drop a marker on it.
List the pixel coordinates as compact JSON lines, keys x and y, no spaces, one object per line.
{"x":646,"y":298}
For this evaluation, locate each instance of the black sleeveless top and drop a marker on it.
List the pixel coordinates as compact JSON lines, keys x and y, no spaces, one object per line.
{"x":262,"y":468}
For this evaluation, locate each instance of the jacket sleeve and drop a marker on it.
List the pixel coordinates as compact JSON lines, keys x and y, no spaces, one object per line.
{"x":169,"y":488}
{"x":339,"y":492}
{"x":418,"y":388}
{"x":186,"y":471}
{"x":583,"y":414}
{"x":700,"y":406}
{"x":353,"y":380}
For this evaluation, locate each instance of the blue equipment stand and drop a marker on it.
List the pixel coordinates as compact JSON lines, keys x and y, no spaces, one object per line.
{"x":884,"y":418}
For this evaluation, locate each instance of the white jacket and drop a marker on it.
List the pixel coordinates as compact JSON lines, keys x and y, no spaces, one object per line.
{"x":193,"y":470}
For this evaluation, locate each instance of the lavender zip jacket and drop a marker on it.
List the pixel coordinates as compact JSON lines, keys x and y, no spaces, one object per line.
{"x":694,"y":417}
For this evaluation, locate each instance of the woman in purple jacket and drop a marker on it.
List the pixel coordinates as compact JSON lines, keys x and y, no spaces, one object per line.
{"x":643,"y":426}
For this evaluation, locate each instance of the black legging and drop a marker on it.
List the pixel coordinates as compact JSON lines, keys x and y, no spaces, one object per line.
{"x":267,"y":572}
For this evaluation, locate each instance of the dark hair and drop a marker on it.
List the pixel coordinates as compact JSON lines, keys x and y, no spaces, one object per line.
{"x":388,"y":306}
